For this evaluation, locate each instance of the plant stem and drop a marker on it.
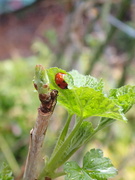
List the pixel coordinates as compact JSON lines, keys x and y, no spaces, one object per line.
{"x":34,"y":158}
{"x":9,"y":156}
{"x":54,"y":161}
{"x":58,"y":174}
{"x":62,"y":135}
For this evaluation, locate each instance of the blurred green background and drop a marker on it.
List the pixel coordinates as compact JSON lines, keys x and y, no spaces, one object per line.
{"x":94,"y":37}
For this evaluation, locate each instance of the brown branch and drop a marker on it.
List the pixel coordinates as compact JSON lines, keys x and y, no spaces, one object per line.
{"x":37,"y":135}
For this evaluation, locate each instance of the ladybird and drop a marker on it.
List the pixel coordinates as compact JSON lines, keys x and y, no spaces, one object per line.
{"x":59,"y":79}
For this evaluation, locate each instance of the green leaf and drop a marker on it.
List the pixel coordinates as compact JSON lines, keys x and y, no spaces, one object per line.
{"x":74,"y":172}
{"x":75,"y":79}
{"x":95,"y":167}
{"x":84,"y":96}
{"x":124,"y":96}
{"x":5,"y":173}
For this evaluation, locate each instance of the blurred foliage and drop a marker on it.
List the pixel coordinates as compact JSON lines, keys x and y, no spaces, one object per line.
{"x":85,"y":33}
{"x":5,"y":173}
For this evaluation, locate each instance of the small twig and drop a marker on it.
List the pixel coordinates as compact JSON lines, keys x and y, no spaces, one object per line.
{"x":48,"y":102}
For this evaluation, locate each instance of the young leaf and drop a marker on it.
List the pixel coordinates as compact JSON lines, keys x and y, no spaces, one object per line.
{"x":74,"y":172}
{"x":75,"y":79}
{"x":85,"y":102}
{"x":95,"y":167}
{"x":5,"y":173}
{"x":124,"y":96}
{"x":84,"y":96}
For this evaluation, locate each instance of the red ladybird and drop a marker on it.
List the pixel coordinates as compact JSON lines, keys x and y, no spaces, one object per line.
{"x":59,"y":79}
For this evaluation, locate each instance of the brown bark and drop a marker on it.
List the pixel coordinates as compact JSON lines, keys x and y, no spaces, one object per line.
{"x":37,"y":135}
